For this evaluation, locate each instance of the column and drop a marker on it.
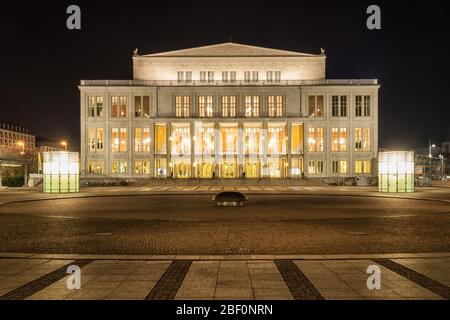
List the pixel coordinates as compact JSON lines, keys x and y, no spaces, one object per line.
{"x":288,"y":149}
{"x":217,"y":149}
{"x":240,"y":155}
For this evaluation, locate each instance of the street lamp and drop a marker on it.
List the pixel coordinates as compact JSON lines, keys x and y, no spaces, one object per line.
{"x":64,"y":144}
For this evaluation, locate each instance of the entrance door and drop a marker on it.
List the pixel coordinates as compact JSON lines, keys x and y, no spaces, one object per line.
{"x":229,"y":169}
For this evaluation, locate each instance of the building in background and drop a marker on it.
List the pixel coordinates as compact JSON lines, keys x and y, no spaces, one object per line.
{"x":229,"y":111}
{"x":17,"y":154}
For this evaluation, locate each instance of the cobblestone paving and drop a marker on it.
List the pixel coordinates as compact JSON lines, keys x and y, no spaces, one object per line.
{"x":225,"y":278}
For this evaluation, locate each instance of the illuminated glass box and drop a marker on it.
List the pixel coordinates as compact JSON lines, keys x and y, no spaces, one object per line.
{"x":61,"y":172}
{"x":396,"y":171}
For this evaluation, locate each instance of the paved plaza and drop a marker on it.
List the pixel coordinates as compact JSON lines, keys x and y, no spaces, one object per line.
{"x":403,"y":276}
{"x":288,"y":243}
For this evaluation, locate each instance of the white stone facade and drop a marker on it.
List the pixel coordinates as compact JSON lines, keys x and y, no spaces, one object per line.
{"x":287,"y":120}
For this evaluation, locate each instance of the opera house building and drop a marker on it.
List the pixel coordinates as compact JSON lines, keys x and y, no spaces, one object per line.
{"x":229,"y":111}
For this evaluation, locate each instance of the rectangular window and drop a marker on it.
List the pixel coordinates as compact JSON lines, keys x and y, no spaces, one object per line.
{"x":276,"y":137}
{"x":315,"y":139}
{"x":275,"y":105}
{"x":252,"y":140}
{"x":95,"y":139}
{"x":311,"y":166}
{"x":229,"y":139}
{"x":142,"y":106}
{"x":342,"y":166}
{"x":95,"y":106}
{"x":118,"y":106}
{"x":247,"y":76}
{"x":142,"y":167}
{"x":339,"y":106}
{"x":277,"y":76}
{"x":142,"y":139}
{"x":319,"y":167}
{"x":188,"y":76}
{"x":225,"y":76}
{"x":202,"y":76}
{"x":210,"y":76}
{"x":204,"y":139}
{"x":255,"y":75}
{"x":269,"y":76}
{"x":366,"y":106}
{"x":95,"y":167}
{"x":182,"y":106}
{"x":180,"y":76}
{"x":228,"y":106}
{"x":205,"y":106}
{"x":297,"y":139}
{"x":335,"y":166}
{"x":160,"y":139}
{"x":233,"y":76}
{"x":181,"y":139}
{"x":338,"y":139}
{"x":251,"y":104}
{"x":362,"y":166}
{"x":358,"y":106}
{"x":119,"y":139}
{"x":119,"y":167}
{"x":362,"y":139}
{"x":315,"y":106}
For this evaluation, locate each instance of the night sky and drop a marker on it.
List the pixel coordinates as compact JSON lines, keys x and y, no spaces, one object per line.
{"x":42,"y":61}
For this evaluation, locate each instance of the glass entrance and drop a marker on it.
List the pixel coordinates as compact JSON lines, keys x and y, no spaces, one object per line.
{"x":229,"y":168}
{"x":252,"y":168}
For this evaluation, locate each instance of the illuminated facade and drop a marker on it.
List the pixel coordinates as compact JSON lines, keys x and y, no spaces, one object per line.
{"x":228,"y":111}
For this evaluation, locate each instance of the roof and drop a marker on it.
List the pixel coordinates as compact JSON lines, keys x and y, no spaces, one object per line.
{"x":231,"y":49}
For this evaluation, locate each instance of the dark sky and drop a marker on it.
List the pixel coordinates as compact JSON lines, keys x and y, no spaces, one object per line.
{"x":42,"y":62}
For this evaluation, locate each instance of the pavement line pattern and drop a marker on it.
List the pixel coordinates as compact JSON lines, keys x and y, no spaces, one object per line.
{"x":299,"y":285}
{"x":422,"y":280}
{"x":42,"y":282}
{"x":167,"y":286}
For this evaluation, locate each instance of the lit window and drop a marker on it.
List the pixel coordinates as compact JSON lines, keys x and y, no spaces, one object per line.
{"x":251,"y":106}
{"x":182,"y":106}
{"x":275,"y":105}
{"x":311,"y":166}
{"x":315,"y":106}
{"x":315,"y":139}
{"x":205,"y":106}
{"x":142,"y":106}
{"x":95,"y":106}
{"x":142,"y":139}
{"x":252,"y":140}
{"x":297,"y":139}
{"x":362,"y":139}
{"x":362,"y":166}
{"x":160,"y":139}
{"x":338,"y":139}
{"x":142,"y":167}
{"x":229,"y":139}
{"x":119,"y":140}
{"x":228,"y":106}
{"x":276,"y":143}
{"x":204,"y":139}
{"x":118,"y":106}
{"x":119,"y":167}
{"x":181,"y":139}
{"x":95,"y":139}
{"x":95,"y":167}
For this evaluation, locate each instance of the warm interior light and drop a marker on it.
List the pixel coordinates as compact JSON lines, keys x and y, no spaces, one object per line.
{"x":61,"y":171}
{"x":396,"y":171}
